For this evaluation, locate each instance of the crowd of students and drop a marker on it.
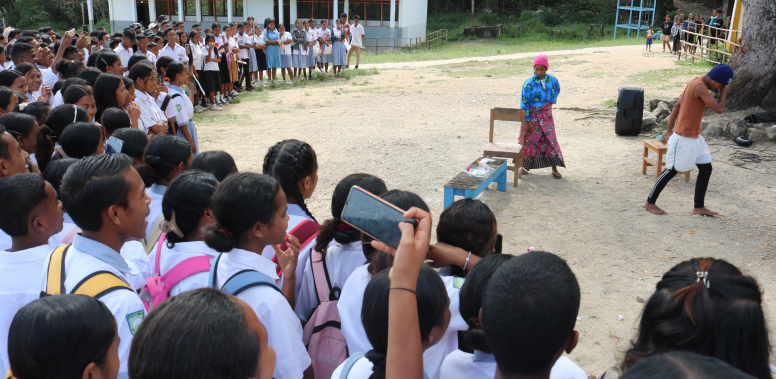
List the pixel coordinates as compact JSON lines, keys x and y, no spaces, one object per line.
{"x":125,"y":252}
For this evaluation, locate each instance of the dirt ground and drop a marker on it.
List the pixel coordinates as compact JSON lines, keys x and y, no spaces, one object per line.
{"x":416,"y":125}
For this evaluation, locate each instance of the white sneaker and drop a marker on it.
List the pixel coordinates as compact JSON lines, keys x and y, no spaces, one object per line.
{"x":321,"y":71}
{"x":289,"y":82}
{"x":198,"y":109}
{"x":214,"y":107}
{"x":234,"y":93}
{"x":263,"y":83}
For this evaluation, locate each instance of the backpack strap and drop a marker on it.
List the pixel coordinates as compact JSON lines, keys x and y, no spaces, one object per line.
{"x":55,"y":284}
{"x":99,"y":284}
{"x":246,"y":279}
{"x":158,"y":258}
{"x":349,"y":363}
{"x":186,"y":268}
{"x":321,"y":278}
{"x":165,"y":102}
{"x":211,"y":279}
{"x":305,"y":232}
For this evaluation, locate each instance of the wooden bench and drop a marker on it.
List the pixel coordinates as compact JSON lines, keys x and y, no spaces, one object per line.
{"x":470,"y":186}
{"x":512,"y":151}
{"x":659,"y":148}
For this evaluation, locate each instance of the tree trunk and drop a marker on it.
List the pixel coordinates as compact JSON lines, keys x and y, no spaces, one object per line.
{"x":754,"y":64}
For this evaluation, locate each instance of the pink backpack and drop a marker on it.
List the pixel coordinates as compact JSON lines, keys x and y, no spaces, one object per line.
{"x":157,"y":288}
{"x":322,"y":333}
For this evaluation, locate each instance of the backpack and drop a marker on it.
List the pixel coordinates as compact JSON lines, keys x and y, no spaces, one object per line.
{"x":165,"y":103}
{"x":96,"y":285}
{"x":323,"y":331}
{"x":240,"y":281}
{"x":305,"y":232}
{"x":349,"y":363}
{"x":157,"y":288}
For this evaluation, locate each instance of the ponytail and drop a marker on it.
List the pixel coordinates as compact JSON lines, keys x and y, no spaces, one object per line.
{"x":289,"y":162}
{"x":44,"y":147}
{"x":162,"y":155}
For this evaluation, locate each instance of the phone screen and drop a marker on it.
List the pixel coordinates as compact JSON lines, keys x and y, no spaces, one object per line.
{"x":374,"y":217}
{"x":113,"y":145}
{"x":85,"y":28}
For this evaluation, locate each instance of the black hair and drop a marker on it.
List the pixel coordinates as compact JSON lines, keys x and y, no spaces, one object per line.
{"x":37,"y":109}
{"x":64,"y":115}
{"x":6,"y":94}
{"x":105,"y":93}
{"x":44,"y":29}
{"x":289,"y":162}
{"x":115,"y":118}
{"x":18,"y":124}
{"x":471,"y":296}
{"x":529,"y":312}
{"x":470,"y":225}
{"x":71,"y":82}
{"x":70,"y":51}
{"x":90,"y":74}
{"x":241,"y":201}
{"x":174,"y":69}
{"x":69,"y":70}
{"x":334,"y":228}
{"x":29,"y":33}
{"x":92,"y":60}
{"x":7,"y":77}
{"x":720,"y":316}
{"x":80,"y":140}
{"x":162,"y":155}
{"x":189,"y":196}
{"x":4,"y":148}
{"x":168,"y":346}
{"x":22,"y":97}
{"x":75,"y":93}
{"x":141,"y":70}
{"x":19,"y":50}
{"x":432,"y":304}
{"x":58,"y":336}
{"x":26,"y":67}
{"x":135,"y":142}
{"x":114,"y":42}
{"x":107,"y":58}
{"x":193,"y":34}
{"x":405,"y":200}
{"x":162,"y":63}
{"x":22,"y":193}
{"x":94,"y":184}
{"x":683,"y":365}
{"x":198,"y":25}
{"x":217,"y":162}
{"x":56,"y":170}
{"x":343,"y":14}
{"x":14,"y":34}
{"x":127,"y":82}
{"x":134,"y":59}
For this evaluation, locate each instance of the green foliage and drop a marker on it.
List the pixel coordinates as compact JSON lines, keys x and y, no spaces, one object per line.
{"x":103,"y":24}
{"x":32,"y":14}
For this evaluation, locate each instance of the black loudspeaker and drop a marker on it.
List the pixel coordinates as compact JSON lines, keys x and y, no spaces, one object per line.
{"x":630,"y":110}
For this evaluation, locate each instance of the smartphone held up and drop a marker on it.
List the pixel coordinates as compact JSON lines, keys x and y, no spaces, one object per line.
{"x":374,"y":216}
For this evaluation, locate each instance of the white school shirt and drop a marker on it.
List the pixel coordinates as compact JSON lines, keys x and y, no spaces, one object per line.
{"x":19,"y":286}
{"x":124,"y":55}
{"x":197,"y":55}
{"x":286,"y":38}
{"x":283,"y":327}
{"x":86,"y":257}
{"x":340,"y":260}
{"x":156,"y":193}
{"x":171,"y":111}
{"x":295,"y":216}
{"x":5,"y":241}
{"x":212,"y":66}
{"x":184,"y":109}
{"x":148,"y":115}
{"x":244,"y":39}
{"x":179,"y":253}
{"x":357,"y":32}
{"x":178,"y":54}
{"x":49,"y":77}
{"x":300,"y":49}
{"x":233,"y":44}
{"x":351,"y":302}
{"x":462,"y":365}
{"x":151,"y":57}
{"x":312,"y":36}
{"x":57,"y":100}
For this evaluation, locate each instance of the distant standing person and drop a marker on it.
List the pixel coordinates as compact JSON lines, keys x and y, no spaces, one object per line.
{"x":357,"y":41}
{"x":649,"y":38}
{"x":666,"y":33}
{"x":676,"y":32}
{"x":686,"y":146}
{"x":539,"y":93}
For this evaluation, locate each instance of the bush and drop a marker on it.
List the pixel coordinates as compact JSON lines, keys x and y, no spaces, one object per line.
{"x":32,"y":14}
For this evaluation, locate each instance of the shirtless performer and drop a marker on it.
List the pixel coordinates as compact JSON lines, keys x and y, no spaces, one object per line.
{"x":686,"y":146}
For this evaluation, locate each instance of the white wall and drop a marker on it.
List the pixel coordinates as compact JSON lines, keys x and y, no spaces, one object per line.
{"x":122,"y":13}
{"x":259,"y":9}
{"x":412,"y":18}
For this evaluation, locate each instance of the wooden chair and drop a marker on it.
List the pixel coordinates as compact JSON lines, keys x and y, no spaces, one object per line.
{"x":503,"y":149}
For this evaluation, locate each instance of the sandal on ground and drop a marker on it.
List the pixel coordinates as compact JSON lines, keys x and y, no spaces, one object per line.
{"x":557,"y":176}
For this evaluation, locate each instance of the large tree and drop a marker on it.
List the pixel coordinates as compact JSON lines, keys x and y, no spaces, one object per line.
{"x":754,"y":63}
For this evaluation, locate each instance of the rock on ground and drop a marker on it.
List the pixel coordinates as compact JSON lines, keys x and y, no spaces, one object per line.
{"x":670,"y":101}
{"x":648,"y":118}
{"x":757,"y":135}
{"x":771,"y":132}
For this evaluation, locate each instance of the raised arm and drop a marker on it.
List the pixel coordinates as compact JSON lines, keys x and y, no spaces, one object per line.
{"x":718,"y":106}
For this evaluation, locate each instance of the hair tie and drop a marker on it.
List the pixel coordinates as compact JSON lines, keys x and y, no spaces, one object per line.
{"x":171,"y":226}
{"x":149,"y":166}
{"x":61,"y":151}
{"x":75,"y":111}
{"x":343,"y":227}
{"x":103,"y":61}
{"x":703,"y":275}
{"x":23,"y":105}
{"x":225,"y":232}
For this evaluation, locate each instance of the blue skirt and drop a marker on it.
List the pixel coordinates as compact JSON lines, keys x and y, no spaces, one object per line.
{"x":299,"y":61}
{"x":326,"y":58}
{"x":310,"y":57}
{"x":338,"y":53}
{"x":192,"y":128}
{"x":252,"y":63}
{"x":285,"y":61}
{"x":273,"y":56}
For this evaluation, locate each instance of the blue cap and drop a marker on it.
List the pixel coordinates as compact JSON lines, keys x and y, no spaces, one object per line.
{"x":721,"y":74}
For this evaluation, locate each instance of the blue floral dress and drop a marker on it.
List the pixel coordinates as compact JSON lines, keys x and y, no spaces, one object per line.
{"x":541,"y":146}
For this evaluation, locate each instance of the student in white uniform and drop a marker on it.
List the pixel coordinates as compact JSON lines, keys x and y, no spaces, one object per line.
{"x":482,"y":364}
{"x":324,"y":33}
{"x":356,"y":41}
{"x":338,"y":243}
{"x":286,"y":60}
{"x":299,"y":49}
{"x":86,"y":343}
{"x":31,"y":215}
{"x":165,"y":158}
{"x":107,"y":218}
{"x":312,"y":40}
{"x":527,"y":337}
{"x":183,"y":104}
{"x":173,"y":49}
{"x":185,"y":211}
{"x":211,"y":78}
{"x":250,"y":212}
{"x":294,"y":165}
{"x":144,"y":76}
{"x":351,"y":300}
{"x":433,"y":317}
{"x":124,"y":49}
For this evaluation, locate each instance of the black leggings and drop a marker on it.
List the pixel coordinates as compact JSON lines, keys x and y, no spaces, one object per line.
{"x":702,"y":183}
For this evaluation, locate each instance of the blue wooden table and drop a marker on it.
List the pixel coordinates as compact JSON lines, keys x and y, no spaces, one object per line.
{"x":470,"y":186}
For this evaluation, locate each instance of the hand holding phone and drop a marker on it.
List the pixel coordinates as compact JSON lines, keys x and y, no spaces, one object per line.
{"x":375,"y":217}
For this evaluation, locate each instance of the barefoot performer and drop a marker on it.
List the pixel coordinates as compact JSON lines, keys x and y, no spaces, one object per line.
{"x":537,"y":136}
{"x":686,"y":146}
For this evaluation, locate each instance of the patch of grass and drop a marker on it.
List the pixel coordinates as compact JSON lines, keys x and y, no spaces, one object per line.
{"x":300,"y":105}
{"x":350,"y":74}
{"x":436,"y":81}
{"x":608,"y":103}
{"x":281,"y":111}
{"x":664,"y":75}
{"x":307,"y":93}
{"x":209,"y":116}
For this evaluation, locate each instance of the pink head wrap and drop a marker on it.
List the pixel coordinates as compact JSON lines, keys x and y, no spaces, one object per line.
{"x":542,"y":60}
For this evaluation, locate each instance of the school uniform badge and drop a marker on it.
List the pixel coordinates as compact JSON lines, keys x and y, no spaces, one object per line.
{"x":178,"y":107}
{"x":134,"y":319}
{"x":458,"y":282}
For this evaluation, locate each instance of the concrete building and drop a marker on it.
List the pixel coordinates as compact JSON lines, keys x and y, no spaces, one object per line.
{"x":386,"y":22}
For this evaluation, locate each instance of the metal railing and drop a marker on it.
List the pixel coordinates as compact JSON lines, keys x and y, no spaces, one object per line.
{"x":714,"y":45}
{"x":433,"y":40}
